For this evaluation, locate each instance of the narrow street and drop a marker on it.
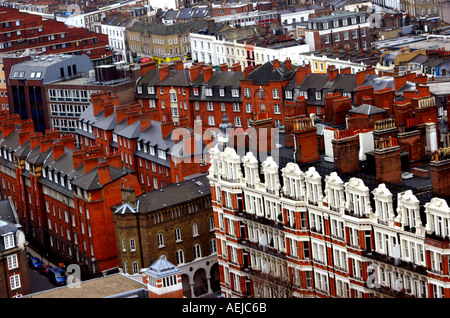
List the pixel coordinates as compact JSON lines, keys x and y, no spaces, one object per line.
{"x":38,"y":281}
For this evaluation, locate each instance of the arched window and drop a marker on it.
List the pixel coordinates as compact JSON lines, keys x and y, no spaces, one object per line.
{"x":177,"y":234}
{"x":135,"y":267}
{"x":211,"y":224}
{"x":124,"y":248}
{"x":125,"y":267}
{"x":195,"y":229}
{"x":180,"y":257}
{"x":160,"y":239}
{"x":132,"y":245}
{"x":197,"y":251}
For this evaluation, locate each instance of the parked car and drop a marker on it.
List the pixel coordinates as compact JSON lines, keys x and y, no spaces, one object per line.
{"x":34,"y":262}
{"x":44,"y":269}
{"x":57,"y":276}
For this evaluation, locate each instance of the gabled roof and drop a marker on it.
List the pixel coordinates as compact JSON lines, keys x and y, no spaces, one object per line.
{"x":131,"y":131}
{"x":177,"y":78}
{"x":90,"y":181}
{"x":174,"y":194}
{"x":266,"y":73}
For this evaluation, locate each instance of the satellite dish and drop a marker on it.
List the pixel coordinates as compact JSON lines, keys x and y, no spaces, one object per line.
{"x":73,"y":9}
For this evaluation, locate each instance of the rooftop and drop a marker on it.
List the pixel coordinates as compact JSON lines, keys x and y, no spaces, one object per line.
{"x":104,"y":287}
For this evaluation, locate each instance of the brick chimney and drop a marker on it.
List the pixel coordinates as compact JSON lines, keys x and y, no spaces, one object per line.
{"x":306,"y":147}
{"x":146,"y":121}
{"x":402,"y":110}
{"x":361,"y":92}
{"x":293,"y":112}
{"x":166,"y":128}
{"x":146,"y":66}
{"x":388,"y":166}
{"x":27,"y":124}
{"x":332,"y":73}
{"x":121,"y":112}
{"x":385,"y":99}
{"x":24,"y":135}
{"x":384,"y":128}
{"x":207,"y":73}
{"x":179,"y":66}
{"x":132,"y":116}
{"x":108,"y":109}
{"x":440,"y":173}
{"x":58,"y":149}
{"x":288,"y":64}
{"x":345,"y":70}
{"x":112,"y":99}
{"x":8,"y":127}
{"x":52,"y":133}
{"x":195,"y":71}
{"x":77,"y":158}
{"x":223,"y":67}
{"x":345,"y":151}
{"x":275,"y":64}
{"x":400,"y":81}
{"x":114,"y":160}
{"x":164,"y":70}
{"x":97,"y":103}
{"x":35,"y":139}
{"x":263,"y":124}
{"x":236,"y":67}
{"x":46,"y":144}
{"x":302,"y":72}
{"x":336,"y":108}
{"x":68,"y":141}
{"x":249,"y":69}
{"x":104,"y":174}
{"x":89,"y":163}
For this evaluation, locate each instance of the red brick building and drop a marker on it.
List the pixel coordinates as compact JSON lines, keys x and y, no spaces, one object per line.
{"x":58,"y":191}
{"x":22,"y":31}
{"x":159,"y":152}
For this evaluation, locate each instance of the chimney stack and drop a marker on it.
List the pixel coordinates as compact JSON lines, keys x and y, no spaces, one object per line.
{"x":35,"y":139}
{"x":388,"y":167}
{"x":164,"y":70}
{"x":306,"y":146}
{"x":345,"y":151}
{"x":104,"y":174}
{"x":440,"y":173}
{"x":89,"y":163}
{"x":58,"y":149}
{"x":207,"y":73}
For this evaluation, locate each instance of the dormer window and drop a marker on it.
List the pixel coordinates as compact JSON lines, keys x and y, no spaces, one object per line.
{"x":208,"y":91}
{"x":8,"y":241}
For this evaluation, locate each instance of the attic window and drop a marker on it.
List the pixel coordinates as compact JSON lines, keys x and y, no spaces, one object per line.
{"x":195,"y":91}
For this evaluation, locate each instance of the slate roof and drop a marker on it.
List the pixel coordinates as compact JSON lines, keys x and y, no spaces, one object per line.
{"x":173,"y":194}
{"x":266,"y":73}
{"x":176,"y":78}
{"x":90,"y":181}
{"x":226,"y":80}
